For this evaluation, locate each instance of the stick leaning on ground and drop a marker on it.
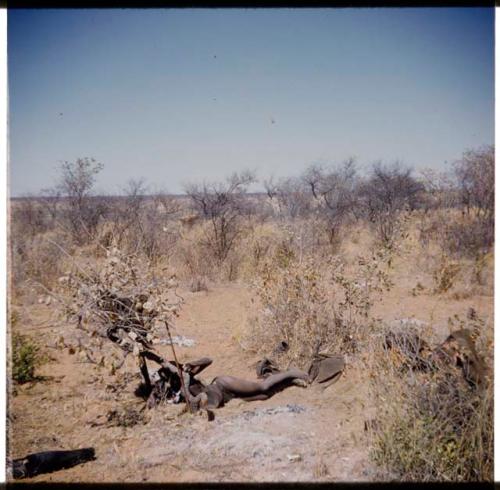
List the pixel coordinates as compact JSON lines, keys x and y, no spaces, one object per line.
{"x":179,"y":367}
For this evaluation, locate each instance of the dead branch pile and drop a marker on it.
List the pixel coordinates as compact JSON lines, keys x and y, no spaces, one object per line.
{"x":410,"y":351}
{"x":124,"y":302}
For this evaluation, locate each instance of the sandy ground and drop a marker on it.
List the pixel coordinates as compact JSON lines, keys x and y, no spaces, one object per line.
{"x":301,"y":434}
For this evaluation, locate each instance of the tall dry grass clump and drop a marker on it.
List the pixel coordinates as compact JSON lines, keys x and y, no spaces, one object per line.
{"x":464,"y":222}
{"x":301,"y":237}
{"x":432,"y":424}
{"x":37,"y":260}
{"x":315,"y":305}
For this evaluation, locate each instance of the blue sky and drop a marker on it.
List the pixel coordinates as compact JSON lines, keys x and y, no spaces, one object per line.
{"x":181,"y":95}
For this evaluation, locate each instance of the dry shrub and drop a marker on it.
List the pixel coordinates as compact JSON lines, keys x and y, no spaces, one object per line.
{"x":147,"y":231}
{"x":431,"y":424}
{"x":194,"y":259}
{"x":467,"y":237}
{"x":197,"y":284}
{"x":483,"y":270}
{"x":388,"y":193}
{"x":300,"y":238}
{"x":251,"y":254}
{"x":315,"y":305}
{"x":254,"y":249}
{"x":27,"y":216}
{"x":458,"y":234}
{"x":38,"y":258}
{"x":475,"y":174}
{"x":445,"y":274}
{"x":191,"y":258}
{"x":429,"y":226}
{"x":120,"y":299}
{"x":313,"y":236}
{"x":459,"y":274}
{"x":156,"y":238}
{"x":392,"y":233}
{"x":224,"y":206}
{"x":462,"y":278}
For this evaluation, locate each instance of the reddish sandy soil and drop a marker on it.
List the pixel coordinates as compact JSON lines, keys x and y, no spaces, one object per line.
{"x":301,"y":434}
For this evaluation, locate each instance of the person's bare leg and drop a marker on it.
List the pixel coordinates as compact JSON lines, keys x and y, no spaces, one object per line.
{"x":244,"y":388}
{"x":275,"y":379}
{"x":255,"y":398}
{"x":196,"y":367}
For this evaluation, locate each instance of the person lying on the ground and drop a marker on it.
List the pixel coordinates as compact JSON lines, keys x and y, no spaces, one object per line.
{"x":225,"y":388}
{"x":168,"y":386}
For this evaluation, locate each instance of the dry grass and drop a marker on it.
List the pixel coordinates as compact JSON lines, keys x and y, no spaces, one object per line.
{"x":316,"y":306}
{"x":458,"y":234}
{"x":38,"y":259}
{"x":315,"y":294}
{"x":445,"y":274}
{"x":431,"y":424}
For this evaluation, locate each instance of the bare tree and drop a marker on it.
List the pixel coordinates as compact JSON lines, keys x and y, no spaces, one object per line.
{"x":334,"y":191}
{"x":28,"y":217}
{"x":50,"y":200}
{"x":475,"y":173}
{"x":76,"y":182}
{"x":291,"y":196}
{"x":124,"y":214}
{"x":223,"y":204}
{"x":440,"y":189}
{"x":388,"y":191}
{"x":167,"y":204}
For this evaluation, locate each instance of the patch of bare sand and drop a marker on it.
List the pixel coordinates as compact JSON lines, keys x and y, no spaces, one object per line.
{"x":322,"y":439}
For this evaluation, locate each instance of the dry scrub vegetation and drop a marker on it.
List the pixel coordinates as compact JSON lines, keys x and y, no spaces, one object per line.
{"x":319,"y":251}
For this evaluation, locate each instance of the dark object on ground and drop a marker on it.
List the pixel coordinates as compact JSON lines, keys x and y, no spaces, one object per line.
{"x":280,"y":348}
{"x":266,"y":367}
{"x":48,"y":461}
{"x":325,"y":367}
{"x":371,"y":424}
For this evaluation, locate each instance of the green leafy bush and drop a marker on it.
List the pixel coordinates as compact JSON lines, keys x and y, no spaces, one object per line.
{"x":25,"y":358}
